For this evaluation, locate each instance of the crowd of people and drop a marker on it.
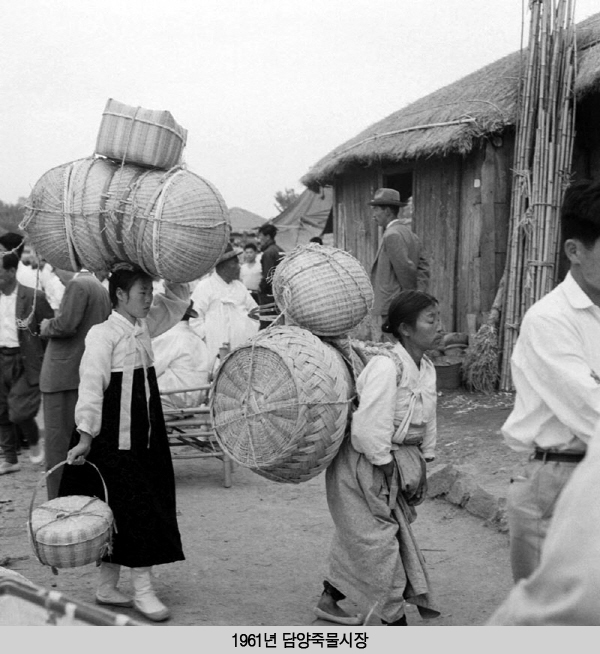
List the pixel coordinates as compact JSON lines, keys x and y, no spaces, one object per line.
{"x":98,"y":357}
{"x":91,"y":350}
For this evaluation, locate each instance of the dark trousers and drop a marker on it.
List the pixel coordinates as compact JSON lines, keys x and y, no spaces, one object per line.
{"x":19,"y":404}
{"x":59,"y":422}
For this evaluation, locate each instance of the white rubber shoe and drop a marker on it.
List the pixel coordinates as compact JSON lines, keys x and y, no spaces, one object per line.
{"x":107,"y":592}
{"x":144,"y":599}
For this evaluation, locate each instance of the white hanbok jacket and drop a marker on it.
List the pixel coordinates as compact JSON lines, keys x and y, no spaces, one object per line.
{"x":222,"y":314}
{"x":181,"y":361}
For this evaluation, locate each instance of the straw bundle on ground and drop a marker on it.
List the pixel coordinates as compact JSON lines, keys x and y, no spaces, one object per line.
{"x":480,"y":368}
{"x":140,"y":136}
{"x":95,"y":212}
{"x":323,"y":289}
{"x":280,"y":404}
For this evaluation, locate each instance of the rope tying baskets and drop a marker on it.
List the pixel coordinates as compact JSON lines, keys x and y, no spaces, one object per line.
{"x":140,"y":136}
{"x":323,"y":289}
{"x":71,"y":531}
{"x":280,"y":404}
{"x":95,"y":212}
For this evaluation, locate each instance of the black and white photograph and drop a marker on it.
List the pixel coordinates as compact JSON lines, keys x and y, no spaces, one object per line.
{"x":299,"y":322}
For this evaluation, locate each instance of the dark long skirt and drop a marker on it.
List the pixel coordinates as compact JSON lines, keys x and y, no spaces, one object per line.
{"x":140,"y":481}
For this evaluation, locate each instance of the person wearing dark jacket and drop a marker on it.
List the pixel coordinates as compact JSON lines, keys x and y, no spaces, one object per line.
{"x":85,"y":303}
{"x":271,"y":256}
{"x":22,"y":309}
{"x":400,"y":263}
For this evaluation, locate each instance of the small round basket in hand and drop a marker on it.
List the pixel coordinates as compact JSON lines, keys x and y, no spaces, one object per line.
{"x":70,"y":531}
{"x":280,"y":404}
{"x":323,"y":289}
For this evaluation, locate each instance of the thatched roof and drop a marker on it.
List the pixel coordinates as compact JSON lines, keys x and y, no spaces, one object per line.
{"x":244,"y":221}
{"x":454,"y":118}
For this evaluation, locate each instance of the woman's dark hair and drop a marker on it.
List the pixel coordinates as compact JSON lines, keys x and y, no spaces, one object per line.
{"x":405,"y":308}
{"x":124,"y":276}
{"x":580,"y":213}
{"x":252,"y":246}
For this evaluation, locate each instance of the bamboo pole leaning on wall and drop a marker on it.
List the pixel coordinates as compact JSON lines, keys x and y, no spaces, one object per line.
{"x":542,"y":163}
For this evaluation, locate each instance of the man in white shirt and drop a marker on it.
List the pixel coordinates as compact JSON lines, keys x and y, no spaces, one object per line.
{"x":251,"y":270}
{"x":564,"y":590}
{"x":22,"y":310}
{"x":29,"y":274}
{"x":556,"y":373}
{"x":227,"y":313}
{"x":181,"y":361}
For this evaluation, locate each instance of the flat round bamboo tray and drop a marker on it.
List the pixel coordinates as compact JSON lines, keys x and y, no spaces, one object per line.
{"x":95,"y":212}
{"x":280,"y":404}
{"x":323,"y":289}
{"x":70,"y":531}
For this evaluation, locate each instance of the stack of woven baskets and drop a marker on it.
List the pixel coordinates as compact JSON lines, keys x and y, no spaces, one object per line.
{"x":132,"y":201}
{"x":281,"y":402}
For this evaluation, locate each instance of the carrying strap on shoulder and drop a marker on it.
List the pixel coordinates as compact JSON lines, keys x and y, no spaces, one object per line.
{"x":400,"y":433}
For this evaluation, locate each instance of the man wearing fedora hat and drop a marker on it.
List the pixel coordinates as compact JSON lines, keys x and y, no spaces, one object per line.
{"x":227,"y":312}
{"x":400,"y":263}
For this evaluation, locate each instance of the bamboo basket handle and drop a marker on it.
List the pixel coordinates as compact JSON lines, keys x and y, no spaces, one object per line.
{"x":37,"y":488}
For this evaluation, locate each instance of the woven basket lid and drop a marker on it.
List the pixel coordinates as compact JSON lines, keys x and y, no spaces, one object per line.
{"x":323,"y":289}
{"x":280,"y":404}
{"x":70,"y":520}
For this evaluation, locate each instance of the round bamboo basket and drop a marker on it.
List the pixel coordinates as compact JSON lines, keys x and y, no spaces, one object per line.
{"x":95,"y":212}
{"x":280,"y":404}
{"x":323,"y":289}
{"x":70,"y":531}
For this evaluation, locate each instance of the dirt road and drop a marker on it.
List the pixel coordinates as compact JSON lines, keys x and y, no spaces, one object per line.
{"x":256,"y":552}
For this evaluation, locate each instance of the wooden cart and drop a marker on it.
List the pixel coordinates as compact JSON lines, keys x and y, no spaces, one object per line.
{"x":193,"y":427}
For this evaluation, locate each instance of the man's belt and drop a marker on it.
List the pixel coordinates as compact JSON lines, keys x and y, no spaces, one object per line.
{"x":9,"y":351}
{"x":565,"y":457}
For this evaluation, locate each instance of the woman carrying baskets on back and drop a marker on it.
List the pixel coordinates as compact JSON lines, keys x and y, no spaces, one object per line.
{"x":379,"y":474}
{"x":121,"y":430}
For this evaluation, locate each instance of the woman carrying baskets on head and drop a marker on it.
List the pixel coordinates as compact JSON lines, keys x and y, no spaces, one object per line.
{"x":121,"y":430}
{"x":379,"y":474}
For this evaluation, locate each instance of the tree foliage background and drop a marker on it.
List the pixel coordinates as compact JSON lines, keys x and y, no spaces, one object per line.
{"x":284,"y":199}
{"x":10,"y":217}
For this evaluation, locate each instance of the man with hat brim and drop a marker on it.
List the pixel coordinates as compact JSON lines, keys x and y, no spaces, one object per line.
{"x":400,"y":263}
{"x":227,"y":313}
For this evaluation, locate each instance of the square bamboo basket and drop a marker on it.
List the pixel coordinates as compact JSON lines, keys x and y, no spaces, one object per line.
{"x":145,"y":137}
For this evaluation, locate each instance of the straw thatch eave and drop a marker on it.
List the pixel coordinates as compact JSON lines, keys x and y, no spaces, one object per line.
{"x":588,"y":61}
{"x":455,"y":118}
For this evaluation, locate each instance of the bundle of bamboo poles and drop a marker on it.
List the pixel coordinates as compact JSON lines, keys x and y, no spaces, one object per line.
{"x":542,"y":163}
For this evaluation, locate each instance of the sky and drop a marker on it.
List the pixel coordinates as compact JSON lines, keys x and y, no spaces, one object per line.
{"x":265,"y":88}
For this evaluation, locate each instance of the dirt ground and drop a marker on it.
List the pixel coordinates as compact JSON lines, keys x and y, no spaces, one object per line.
{"x":469,"y":435}
{"x":256,"y":552}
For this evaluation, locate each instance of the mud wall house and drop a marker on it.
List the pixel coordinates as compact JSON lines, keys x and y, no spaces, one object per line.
{"x":452,"y":153}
